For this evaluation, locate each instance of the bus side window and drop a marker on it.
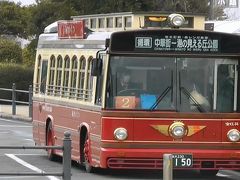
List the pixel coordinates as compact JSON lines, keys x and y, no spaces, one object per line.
{"x":43,"y":77}
{"x":225,"y":98}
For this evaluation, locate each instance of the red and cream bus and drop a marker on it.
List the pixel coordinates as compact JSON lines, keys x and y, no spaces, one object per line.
{"x":184,"y":97}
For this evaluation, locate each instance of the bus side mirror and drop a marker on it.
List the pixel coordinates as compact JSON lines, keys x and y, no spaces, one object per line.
{"x":96,"y":67}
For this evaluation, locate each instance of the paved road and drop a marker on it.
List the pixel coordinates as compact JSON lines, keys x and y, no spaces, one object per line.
{"x":19,"y":133}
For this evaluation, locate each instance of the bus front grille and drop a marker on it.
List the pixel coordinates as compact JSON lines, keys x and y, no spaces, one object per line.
{"x":138,"y":163}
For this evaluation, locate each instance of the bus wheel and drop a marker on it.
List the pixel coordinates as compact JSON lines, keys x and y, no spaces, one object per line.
{"x":208,"y":173}
{"x":86,"y":153}
{"x":50,"y":142}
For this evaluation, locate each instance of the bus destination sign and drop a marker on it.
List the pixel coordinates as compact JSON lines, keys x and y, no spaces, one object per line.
{"x":71,"y":29}
{"x":177,"y":43}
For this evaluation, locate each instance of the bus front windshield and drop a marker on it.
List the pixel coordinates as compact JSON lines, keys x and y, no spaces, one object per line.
{"x":172,"y":84}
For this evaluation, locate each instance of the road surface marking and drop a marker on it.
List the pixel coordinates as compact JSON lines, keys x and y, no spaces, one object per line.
{"x":29,"y":154}
{"x":4,"y":132}
{"x":19,"y":177}
{"x":14,"y":126}
{"x":24,"y":163}
{"x":221,"y":175}
{"x":14,"y":121}
{"x":232,"y":172}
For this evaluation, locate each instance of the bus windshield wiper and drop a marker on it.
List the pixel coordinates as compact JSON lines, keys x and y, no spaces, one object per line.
{"x":159,"y":99}
{"x":164,"y":93}
{"x":188,"y":94}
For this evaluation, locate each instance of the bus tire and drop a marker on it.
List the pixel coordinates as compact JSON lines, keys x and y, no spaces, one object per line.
{"x":88,"y":167}
{"x":50,"y":142}
{"x":208,"y":173}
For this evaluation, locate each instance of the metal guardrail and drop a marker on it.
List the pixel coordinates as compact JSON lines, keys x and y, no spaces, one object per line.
{"x":66,"y":174}
{"x":14,"y":100}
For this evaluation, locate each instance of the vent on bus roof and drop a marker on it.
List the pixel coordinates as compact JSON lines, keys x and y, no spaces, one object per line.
{"x":52,"y":28}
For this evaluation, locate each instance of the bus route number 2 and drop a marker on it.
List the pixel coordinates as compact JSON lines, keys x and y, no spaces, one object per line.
{"x":125,"y":102}
{"x":182,"y":160}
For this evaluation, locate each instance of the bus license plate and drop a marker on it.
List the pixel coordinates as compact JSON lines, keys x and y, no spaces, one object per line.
{"x":182,"y":160}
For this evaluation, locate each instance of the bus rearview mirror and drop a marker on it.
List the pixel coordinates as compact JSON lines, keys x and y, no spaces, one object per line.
{"x":96,"y":67}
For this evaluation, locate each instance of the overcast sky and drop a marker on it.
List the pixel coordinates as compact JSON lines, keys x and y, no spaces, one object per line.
{"x":24,"y":2}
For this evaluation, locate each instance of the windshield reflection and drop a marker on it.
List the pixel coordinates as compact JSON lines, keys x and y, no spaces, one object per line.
{"x":171,"y":84}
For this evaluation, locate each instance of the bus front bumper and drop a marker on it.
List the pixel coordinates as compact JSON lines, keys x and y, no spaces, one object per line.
{"x":153,"y":159}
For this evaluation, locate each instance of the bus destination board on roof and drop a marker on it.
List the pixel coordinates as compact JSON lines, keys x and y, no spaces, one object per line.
{"x":71,"y":29}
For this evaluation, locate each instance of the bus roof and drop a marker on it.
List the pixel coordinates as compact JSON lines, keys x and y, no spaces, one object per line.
{"x":51,"y":39}
{"x":94,"y":40}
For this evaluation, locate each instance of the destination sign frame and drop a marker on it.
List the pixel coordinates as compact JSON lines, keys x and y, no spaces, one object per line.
{"x":169,"y":42}
{"x":177,"y":43}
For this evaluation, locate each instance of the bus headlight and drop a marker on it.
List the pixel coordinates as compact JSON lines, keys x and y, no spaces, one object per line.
{"x":176,"y":20}
{"x":177,"y":130}
{"x":233,"y":135}
{"x":120,"y":134}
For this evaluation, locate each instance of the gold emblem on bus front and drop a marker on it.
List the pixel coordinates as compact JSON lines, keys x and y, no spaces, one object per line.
{"x":165,"y":129}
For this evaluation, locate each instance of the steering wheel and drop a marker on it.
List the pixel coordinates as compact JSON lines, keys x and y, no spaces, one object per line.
{"x":130,"y":92}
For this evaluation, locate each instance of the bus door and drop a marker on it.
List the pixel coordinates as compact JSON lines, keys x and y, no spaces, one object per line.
{"x":225,"y":86}
{"x":38,"y":106}
{"x":43,"y":83}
